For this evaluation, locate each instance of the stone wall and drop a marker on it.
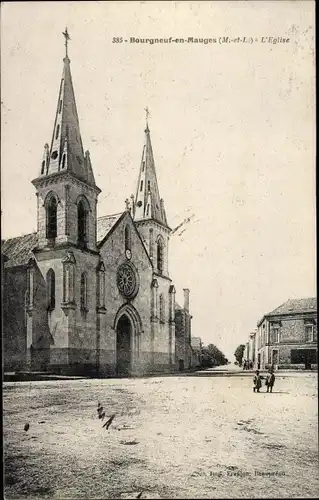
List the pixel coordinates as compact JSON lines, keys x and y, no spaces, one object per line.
{"x":183,"y":351}
{"x":71,"y":330}
{"x":292,"y":336}
{"x":14,"y":318}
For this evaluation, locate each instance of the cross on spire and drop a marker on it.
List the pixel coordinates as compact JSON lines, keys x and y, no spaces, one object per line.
{"x":147,"y":115}
{"x":67,"y":38}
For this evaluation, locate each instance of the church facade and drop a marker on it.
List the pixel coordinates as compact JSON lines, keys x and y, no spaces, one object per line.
{"x":89,"y":295}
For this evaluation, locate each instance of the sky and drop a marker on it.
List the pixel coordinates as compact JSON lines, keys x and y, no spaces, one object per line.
{"x":232,"y":128}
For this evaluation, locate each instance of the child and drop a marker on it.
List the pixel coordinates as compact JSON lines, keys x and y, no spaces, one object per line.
{"x":270,"y":380}
{"x":257,"y":382}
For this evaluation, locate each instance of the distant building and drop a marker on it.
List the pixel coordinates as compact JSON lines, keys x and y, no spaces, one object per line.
{"x":246,"y":352}
{"x":196,"y":345}
{"x":287,"y":336}
{"x":183,"y":348}
{"x":252,"y":348}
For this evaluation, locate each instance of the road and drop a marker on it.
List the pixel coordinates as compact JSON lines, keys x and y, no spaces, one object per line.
{"x":172,"y":437}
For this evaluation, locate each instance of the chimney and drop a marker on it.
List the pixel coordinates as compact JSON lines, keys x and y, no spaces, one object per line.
{"x":186,"y":299}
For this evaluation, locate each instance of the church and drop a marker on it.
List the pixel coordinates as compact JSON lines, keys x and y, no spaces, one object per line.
{"x":86,"y":294}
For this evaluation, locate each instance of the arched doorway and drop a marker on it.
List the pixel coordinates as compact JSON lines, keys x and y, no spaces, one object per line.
{"x":123,"y":345}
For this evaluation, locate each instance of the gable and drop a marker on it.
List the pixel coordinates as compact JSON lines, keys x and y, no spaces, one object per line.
{"x":118,"y":223}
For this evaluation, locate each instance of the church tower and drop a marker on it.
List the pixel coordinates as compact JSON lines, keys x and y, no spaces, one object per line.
{"x":149,"y":215}
{"x":149,"y":212}
{"x":66,"y":251}
{"x":66,"y":189}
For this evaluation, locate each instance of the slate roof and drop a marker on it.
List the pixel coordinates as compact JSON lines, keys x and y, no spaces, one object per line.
{"x":295,"y":306}
{"x":105,"y":224}
{"x":19,"y":250}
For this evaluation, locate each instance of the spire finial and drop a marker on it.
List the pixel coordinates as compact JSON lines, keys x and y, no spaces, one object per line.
{"x":67,"y":38}
{"x":147,"y":115}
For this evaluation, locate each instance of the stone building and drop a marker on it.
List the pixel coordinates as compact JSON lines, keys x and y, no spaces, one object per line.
{"x":183,"y":347}
{"x":251,"y":349}
{"x":196,"y":344}
{"x":246,"y":352}
{"x":287,"y":336}
{"x":85,"y":294}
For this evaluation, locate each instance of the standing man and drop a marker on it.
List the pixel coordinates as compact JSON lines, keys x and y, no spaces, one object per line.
{"x":257,"y":382}
{"x":270,"y":380}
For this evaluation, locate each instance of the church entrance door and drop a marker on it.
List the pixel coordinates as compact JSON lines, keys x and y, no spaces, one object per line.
{"x":123,"y":346}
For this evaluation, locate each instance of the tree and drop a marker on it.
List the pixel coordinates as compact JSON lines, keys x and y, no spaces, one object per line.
{"x":239,"y":353}
{"x":212,"y":356}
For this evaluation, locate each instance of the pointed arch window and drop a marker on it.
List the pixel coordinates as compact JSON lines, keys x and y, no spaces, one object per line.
{"x":63,"y":160}
{"x":84,"y":293}
{"x":51,"y":289}
{"x":151,"y":242}
{"x":42,"y":167}
{"x":57,"y":131}
{"x":51,"y":228}
{"x":148,"y":185}
{"x":82,"y":222}
{"x":141,"y":188}
{"x":147,"y":210}
{"x":162,"y":308}
{"x":127,"y":234}
{"x":60,"y":106}
{"x":160,"y":255}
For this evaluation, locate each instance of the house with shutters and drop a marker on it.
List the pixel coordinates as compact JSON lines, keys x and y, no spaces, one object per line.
{"x":287,"y":336}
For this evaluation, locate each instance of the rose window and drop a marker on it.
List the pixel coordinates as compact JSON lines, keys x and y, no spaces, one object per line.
{"x":127,"y":281}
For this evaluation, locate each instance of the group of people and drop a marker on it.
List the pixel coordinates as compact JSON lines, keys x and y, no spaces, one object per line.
{"x":269,"y":382}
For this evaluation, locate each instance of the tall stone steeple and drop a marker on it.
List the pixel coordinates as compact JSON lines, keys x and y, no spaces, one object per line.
{"x":148,"y":204}
{"x":66,"y":150}
{"x":148,"y":210}
{"x":66,"y":188}
{"x":150,"y":220}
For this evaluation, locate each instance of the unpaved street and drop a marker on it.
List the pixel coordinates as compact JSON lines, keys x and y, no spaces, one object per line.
{"x":172,"y":437}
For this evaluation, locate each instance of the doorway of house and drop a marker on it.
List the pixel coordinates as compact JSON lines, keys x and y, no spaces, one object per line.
{"x":123,"y":346}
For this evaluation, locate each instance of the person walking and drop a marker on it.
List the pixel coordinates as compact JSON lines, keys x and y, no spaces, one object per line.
{"x":257,"y":382}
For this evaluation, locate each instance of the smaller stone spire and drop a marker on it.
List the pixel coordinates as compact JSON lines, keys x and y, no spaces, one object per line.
{"x":148,"y":204}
